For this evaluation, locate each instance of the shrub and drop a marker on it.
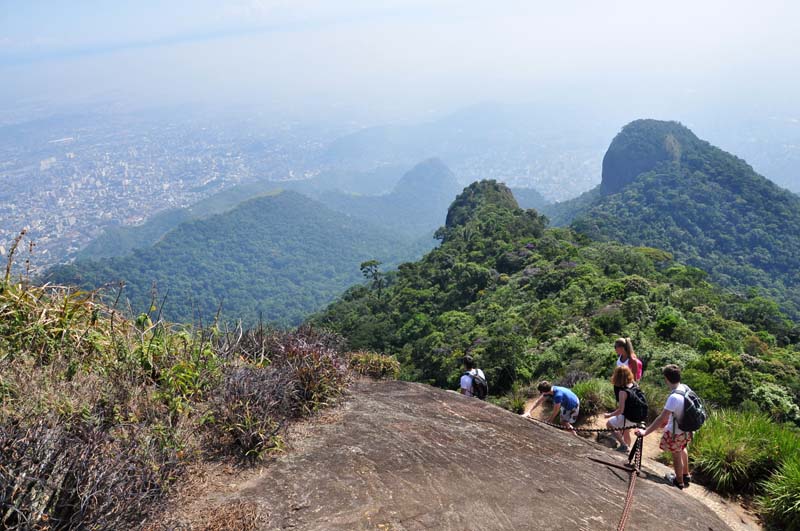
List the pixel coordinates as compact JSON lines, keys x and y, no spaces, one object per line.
{"x":374,"y":365}
{"x":734,"y":450}
{"x":64,"y":475}
{"x":780,"y":502}
{"x":776,"y":401}
{"x":299,"y":373}
{"x":668,"y":320}
{"x":656,"y":395}
{"x":596,"y":395}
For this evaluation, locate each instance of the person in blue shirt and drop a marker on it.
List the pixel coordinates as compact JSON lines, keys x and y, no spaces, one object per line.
{"x":565,"y":402}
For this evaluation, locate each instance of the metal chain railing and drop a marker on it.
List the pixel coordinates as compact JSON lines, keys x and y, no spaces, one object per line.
{"x":634,"y":461}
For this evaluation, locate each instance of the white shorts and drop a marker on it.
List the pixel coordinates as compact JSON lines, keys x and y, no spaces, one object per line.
{"x":616,"y":422}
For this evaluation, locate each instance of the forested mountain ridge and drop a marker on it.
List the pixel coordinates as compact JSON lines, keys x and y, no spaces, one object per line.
{"x":416,"y":205}
{"x":278,"y":256}
{"x":531,"y":302}
{"x":664,"y":187}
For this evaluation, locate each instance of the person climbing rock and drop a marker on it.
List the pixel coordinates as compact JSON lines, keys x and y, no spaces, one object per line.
{"x":565,"y":403}
{"x":622,"y":379}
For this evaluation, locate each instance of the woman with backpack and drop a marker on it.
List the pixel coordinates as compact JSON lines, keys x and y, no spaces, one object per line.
{"x":627,"y":357}
{"x":631,"y":406}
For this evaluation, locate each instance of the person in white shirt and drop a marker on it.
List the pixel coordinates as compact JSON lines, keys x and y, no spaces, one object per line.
{"x":466,"y":378}
{"x":674,"y":440}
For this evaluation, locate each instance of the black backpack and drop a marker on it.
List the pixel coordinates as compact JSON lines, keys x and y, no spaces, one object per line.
{"x":480,"y":388}
{"x":635,"y":405}
{"x":694,"y":412}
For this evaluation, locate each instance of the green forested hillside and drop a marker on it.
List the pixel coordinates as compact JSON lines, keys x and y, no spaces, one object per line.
{"x":416,"y":205}
{"x":663,"y":187}
{"x":531,"y":302}
{"x":415,"y":208}
{"x":279,"y":257}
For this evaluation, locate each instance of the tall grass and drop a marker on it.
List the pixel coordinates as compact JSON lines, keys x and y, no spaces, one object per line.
{"x":596,"y":395}
{"x":737,"y":451}
{"x":780,"y":502}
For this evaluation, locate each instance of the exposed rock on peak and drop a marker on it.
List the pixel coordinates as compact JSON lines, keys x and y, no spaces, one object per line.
{"x":409,"y":456}
{"x":640,"y":147}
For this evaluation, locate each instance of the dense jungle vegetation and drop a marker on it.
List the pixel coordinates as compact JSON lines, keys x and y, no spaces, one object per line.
{"x":531,"y":302}
{"x":278,"y":257}
{"x":664,"y":187}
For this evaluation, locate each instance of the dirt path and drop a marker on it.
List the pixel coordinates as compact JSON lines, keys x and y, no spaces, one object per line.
{"x":731,"y":512}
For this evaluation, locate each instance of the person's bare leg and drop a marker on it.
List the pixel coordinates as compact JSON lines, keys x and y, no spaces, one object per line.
{"x":677,"y":465}
{"x":626,"y":436}
{"x":615,"y":434}
{"x":685,"y":454}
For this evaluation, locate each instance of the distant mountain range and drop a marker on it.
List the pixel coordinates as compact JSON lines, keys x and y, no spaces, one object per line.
{"x":556,"y":151}
{"x":664,"y":187}
{"x":412,"y":203}
{"x":279,"y":257}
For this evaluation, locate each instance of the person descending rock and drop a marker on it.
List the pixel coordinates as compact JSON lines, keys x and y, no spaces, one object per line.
{"x":627,"y":357}
{"x":631,"y":406}
{"x":565,"y":402}
{"x":473,"y":381}
{"x":674,"y":439}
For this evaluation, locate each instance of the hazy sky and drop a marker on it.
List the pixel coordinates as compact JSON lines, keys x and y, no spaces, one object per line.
{"x":397,"y":57}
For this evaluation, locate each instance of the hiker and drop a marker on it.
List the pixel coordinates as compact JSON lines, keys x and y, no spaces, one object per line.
{"x":674,"y":439}
{"x":473,"y":381}
{"x":627,"y":357}
{"x":629,"y":406}
{"x":565,"y":402}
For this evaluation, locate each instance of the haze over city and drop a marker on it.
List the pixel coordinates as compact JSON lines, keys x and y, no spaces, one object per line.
{"x":406,"y":59}
{"x":115,"y":111}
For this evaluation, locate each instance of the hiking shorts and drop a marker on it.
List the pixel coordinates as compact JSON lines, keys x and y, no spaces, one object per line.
{"x":674,"y":443}
{"x":570,"y":415}
{"x":618,"y":421}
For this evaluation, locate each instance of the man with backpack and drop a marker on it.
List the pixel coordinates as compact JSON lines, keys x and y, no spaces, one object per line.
{"x":473,"y":381}
{"x":682,"y":415}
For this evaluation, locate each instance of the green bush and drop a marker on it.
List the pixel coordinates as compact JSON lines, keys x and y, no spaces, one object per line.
{"x":734,"y":451}
{"x":780,"y":502}
{"x":656,"y":395}
{"x":374,"y":365}
{"x":596,"y":395}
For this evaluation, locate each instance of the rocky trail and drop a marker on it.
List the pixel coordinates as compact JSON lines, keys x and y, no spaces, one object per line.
{"x":405,"y":456}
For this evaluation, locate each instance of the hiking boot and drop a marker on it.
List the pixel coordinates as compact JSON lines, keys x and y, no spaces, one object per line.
{"x":672,"y":480}
{"x":687,"y":478}
{"x":622,"y":448}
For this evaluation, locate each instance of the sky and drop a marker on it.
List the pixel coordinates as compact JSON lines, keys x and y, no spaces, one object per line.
{"x":391,"y":59}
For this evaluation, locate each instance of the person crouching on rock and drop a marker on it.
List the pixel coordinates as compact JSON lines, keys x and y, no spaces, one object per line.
{"x":565,"y":402}
{"x":622,"y":379}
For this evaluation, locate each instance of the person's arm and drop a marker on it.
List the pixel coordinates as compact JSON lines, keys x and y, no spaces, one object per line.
{"x":661,"y":421}
{"x":534,"y":406}
{"x":620,"y":406}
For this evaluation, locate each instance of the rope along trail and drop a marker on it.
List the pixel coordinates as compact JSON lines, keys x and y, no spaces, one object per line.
{"x":634,"y":463}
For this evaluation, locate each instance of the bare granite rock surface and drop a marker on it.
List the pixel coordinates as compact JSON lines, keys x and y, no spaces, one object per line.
{"x":405,"y":456}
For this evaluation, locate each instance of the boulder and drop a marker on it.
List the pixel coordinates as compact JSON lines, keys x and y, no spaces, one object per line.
{"x":405,"y":456}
